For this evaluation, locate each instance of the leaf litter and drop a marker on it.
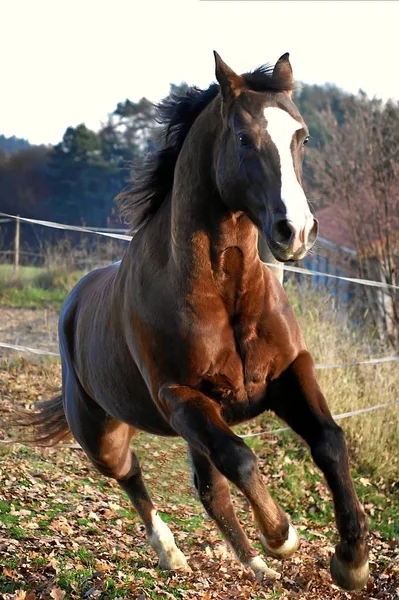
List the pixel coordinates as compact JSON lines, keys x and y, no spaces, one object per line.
{"x":68,"y":533}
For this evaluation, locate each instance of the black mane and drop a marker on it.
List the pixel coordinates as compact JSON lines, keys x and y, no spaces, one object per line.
{"x":150,"y":186}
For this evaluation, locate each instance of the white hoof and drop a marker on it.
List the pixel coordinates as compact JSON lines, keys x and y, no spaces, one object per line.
{"x":288,"y":548}
{"x":163,"y":542}
{"x":261,"y":570}
{"x":173,"y":559}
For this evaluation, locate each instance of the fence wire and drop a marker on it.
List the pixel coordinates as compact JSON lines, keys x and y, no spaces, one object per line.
{"x":121,"y":234}
{"x":128,"y":238}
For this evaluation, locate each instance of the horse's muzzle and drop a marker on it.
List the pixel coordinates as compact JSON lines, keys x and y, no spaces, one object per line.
{"x":290,"y":243}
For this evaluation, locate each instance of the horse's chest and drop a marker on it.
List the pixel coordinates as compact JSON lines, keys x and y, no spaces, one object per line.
{"x":238,"y":374}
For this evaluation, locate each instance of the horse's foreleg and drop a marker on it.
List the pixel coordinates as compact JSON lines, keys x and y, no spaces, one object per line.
{"x":296,"y":398}
{"x":198,"y":420}
{"x":214,"y":493}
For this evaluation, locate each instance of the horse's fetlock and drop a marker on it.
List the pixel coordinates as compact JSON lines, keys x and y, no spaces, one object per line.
{"x":352,"y":552}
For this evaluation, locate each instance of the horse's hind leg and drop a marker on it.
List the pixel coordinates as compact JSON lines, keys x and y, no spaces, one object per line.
{"x":214,"y":493}
{"x":106,"y":441}
{"x":159,"y":534}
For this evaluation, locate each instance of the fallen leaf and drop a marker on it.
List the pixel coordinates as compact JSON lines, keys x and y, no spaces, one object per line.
{"x":57,"y":593}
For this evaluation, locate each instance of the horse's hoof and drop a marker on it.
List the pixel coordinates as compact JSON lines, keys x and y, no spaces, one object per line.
{"x":262,"y":571}
{"x":286,"y":549}
{"x":349,"y":578}
{"x":173,"y":561}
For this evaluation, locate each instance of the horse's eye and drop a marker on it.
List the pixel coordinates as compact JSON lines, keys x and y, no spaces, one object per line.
{"x":305,"y":141}
{"x":245,"y":141}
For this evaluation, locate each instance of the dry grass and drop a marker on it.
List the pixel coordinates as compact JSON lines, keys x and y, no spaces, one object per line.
{"x":373,"y":437}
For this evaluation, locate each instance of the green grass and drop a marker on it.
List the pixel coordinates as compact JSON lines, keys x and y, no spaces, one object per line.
{"x":31,"y":297}
{"x":36,"y":287}
{"x":25,"y":274}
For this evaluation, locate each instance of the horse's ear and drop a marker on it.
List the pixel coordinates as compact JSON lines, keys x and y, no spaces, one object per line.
{"x":283,"y":72}
{"x":230,"y":83}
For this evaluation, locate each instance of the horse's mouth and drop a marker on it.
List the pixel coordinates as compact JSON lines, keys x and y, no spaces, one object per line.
{"x":285,"y":254}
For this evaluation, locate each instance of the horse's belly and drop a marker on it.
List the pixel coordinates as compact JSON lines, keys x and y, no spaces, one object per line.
{"x":126,"y":397}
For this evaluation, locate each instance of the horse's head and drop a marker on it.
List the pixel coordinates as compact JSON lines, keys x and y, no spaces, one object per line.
{"x":259,"y":156}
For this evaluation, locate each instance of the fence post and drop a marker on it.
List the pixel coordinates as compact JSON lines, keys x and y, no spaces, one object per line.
{"x":17,"y":244}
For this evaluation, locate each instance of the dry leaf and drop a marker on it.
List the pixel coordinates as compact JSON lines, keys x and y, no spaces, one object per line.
{"x":57,"y":593}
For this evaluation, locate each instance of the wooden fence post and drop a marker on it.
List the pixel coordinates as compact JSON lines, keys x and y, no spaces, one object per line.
{"x":16,"y":245}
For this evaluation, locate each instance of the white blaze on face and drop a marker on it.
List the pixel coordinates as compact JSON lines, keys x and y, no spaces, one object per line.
{"x":281,"y":127}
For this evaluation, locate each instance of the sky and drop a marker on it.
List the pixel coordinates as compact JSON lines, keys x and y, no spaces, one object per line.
{"x":68,"y":62}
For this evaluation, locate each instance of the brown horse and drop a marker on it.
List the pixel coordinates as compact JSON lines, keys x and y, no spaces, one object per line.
{"x":191,"y":333}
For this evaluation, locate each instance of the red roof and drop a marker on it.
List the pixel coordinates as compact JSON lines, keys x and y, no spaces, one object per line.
{"x":334,"y":226}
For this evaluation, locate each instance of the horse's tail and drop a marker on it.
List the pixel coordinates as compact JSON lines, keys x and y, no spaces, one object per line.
{"x":48,"y":422}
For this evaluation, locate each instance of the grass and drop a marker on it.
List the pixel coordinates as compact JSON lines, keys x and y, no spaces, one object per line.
{"x":36,"y":287}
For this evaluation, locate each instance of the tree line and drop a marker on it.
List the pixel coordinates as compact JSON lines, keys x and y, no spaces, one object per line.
{"x":352,"y":162}
{"x":76,"y":180}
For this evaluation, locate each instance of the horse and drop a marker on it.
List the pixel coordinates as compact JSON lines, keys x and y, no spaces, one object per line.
{"x":191,"y":334}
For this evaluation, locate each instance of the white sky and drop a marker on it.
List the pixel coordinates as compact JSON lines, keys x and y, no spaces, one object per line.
{"x":64,"y":62}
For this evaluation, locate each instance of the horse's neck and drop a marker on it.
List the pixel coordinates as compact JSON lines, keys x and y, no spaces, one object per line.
{"x":201,"y":224}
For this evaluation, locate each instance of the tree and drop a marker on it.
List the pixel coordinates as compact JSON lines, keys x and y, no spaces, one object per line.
{"x":134,"y":122}
{"x":12,"y":144}
{"x":80,"y":143}
{"x":358,"y":168}
{"x":82,"y":181}
{"x":23,"y":181}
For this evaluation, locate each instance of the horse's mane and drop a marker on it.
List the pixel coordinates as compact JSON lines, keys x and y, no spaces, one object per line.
{"x":151,"y":184}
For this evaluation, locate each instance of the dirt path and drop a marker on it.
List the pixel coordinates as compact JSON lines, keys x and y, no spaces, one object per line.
{"x":27,"y":327}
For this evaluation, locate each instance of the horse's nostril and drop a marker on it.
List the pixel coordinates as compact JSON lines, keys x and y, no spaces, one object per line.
{"x":282,"y":232}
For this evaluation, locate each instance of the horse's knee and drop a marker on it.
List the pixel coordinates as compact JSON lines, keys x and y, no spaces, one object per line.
{"x":329,"y":449}
{"x":235,"y":461}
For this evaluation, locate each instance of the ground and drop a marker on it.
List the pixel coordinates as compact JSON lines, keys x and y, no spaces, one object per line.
{"x":68,"y":533}
{"x":29,"y":327}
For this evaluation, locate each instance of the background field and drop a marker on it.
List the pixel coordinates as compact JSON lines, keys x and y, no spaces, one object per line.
{"x":66,"y":532}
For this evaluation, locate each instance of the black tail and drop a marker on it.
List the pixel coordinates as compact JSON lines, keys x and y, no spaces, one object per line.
{"x":48,"y":422}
